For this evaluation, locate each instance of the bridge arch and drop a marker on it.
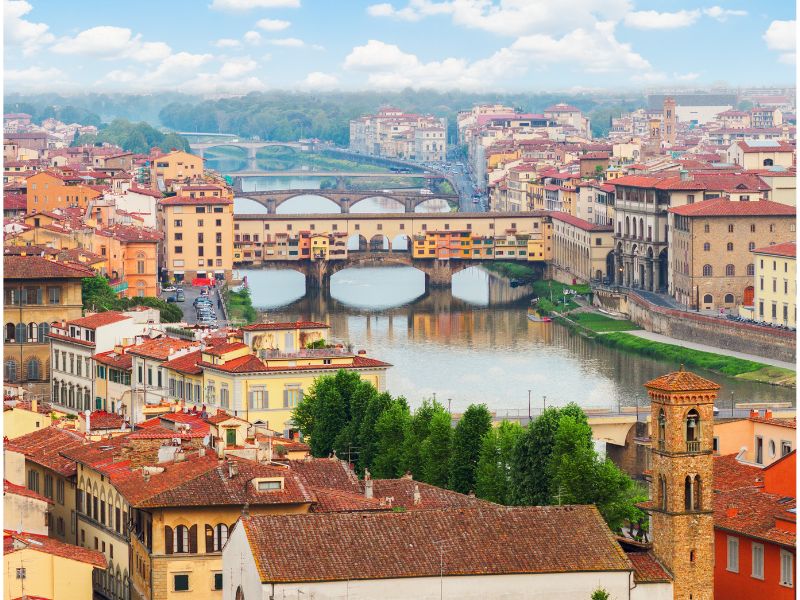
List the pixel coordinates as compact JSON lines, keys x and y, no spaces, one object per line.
{"x":357,"y":243}
{"x":431,"y":204}
{"x":401,"y":243}
{"x":379,"y":243}
{"x":399,"y":204}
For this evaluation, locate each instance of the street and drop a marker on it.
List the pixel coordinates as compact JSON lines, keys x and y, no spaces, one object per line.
{"x":189,"y":312}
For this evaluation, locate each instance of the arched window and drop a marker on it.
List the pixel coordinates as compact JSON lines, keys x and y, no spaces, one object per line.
{"x":33,"y":369}
{"x":56,"y":391}
{"x":11,"y":331}
{"x":627,"y":225}
{"x":730,"y":270}
{"x":751,"y":269}
{"x":768,"y":162}
{"x":662,"y":428}
{"x":33,"y":332}
{"x":706,"y":247}
{"x":87,"y":399}
{"x":140,"y":263}
{"x":693,"y":431}
{"x":641,"y":229}
{"x":634,"y":228}
{"x":730,"y":246}
{"x":10,"y":370}
{"x":728,"y":298}
{"x":708,"y":270}
{"x":44,"y":330}
{"x":220,"y":536}
{"x":619,"y":228}
{"x":239,"y":594}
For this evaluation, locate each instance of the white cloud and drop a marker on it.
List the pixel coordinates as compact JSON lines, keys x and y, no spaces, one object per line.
{"x":236,"y":67}
{"x":272,"y":24}
{"x":177,"y":65}
{"x":722,"y":14}
{"x":782,"y":37}
{"x":36,"y":79}
{"x":317,"y":80}
{"x":26,"y":34}
{"x":510,"y":17}
{"x":227,"y":43}
{"x":251,"y":4}
{"x":109,"y":42}
{"x":253,"y":38}
{"x":651,"y":19}
{"x":288,"y":42}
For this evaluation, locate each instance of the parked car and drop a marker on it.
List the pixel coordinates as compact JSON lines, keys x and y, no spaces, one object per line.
{"x":180,"y":295}
{"x":169,"y":288}
{"x":172,"y":299}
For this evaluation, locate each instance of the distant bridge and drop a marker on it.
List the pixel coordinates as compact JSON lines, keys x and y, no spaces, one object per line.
{"x":199,"y":148}
{"x":345,"y":199}
{"x":302,"y":173}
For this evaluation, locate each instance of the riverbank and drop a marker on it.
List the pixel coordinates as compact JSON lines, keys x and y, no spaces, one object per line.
{"x":240,"y":306}
{"x":726,"y":365}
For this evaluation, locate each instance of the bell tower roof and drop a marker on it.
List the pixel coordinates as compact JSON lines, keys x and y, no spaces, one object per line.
{"x":681,"y":381}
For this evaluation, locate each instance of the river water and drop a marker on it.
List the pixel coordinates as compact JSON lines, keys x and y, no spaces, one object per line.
{"x":472,"y":344}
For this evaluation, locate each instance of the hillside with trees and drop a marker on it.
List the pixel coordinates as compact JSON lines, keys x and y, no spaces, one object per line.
{"x":134,"y":137}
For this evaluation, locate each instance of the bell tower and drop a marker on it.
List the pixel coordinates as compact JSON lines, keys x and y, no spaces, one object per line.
{"x":682,"y":422}
{"x":669,"y":122}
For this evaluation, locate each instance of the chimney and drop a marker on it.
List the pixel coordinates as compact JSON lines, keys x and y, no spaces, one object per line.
{"x":368,"y":488}
{"x":767,"y":413}
{"x":34,"y":404}
{"x":233,"y":469}
{"x":417,"y":495}
{"x":146,"y":475}
{"x":685,"y":175}
{"x":407,"y":475}
{"x":731,"y":512}
{"x":88,"y":422}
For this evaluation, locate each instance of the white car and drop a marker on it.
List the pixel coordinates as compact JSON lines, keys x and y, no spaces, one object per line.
{"x":169,"y":288}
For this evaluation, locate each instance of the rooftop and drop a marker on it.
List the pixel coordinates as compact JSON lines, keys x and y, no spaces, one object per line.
{"x":14,"y":542}
{"x":99,"y":319}
{"x":285,"y":325}
{"x":681,"y":381}
{"x":36,"y":267}
{"x":43,"y":447}
{"x":786,"y":249}
{"x":722,"y":207}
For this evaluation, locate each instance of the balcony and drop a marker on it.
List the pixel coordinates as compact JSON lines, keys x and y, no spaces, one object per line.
{"x":693,"y":446}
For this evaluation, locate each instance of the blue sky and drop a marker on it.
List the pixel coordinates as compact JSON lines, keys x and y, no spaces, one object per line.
{"x":236,"y":46}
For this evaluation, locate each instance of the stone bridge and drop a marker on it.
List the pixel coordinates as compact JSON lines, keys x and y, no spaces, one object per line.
{"x":199,"y":148}
{"x":345,"y":199}
{"x":318,"y":273}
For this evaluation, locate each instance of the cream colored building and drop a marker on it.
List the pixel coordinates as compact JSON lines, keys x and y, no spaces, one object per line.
{"x":761,"y":439}
{"x":775,"y":283}
{"x":582,"y":250}
{"x":758,"y":154}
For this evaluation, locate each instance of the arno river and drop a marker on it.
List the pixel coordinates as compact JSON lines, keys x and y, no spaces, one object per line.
{"x":472,"y":345}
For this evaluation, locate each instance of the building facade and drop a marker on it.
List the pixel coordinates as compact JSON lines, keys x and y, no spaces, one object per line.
{"x":775,"y":284}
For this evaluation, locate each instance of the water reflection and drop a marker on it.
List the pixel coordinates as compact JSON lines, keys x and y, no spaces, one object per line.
{"x":474,"y":344}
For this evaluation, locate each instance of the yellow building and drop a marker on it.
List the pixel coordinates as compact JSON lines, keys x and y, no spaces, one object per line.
{"x":26,"y":416}
{"x":37,"y":292}
{"x":775,"y":283}
{"x":40,"y":567}
{"x":48,"y":190}
{"x":582,"y":250}
{"x":198,"y":237}
{"x":320,"y":244}
{"x":175,"y":166}
{"x":35,"y":459}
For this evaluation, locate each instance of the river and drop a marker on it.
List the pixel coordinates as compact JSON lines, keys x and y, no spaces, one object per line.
{"x":474,"y":344}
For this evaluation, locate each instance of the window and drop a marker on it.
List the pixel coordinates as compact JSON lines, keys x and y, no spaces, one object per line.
{"x":729,"y":299}
{"x":706,"y":228}
{"x":21,"y":573}
{"x":292,"y":396}
{"x":217,"y":581}
{"x":787,"y":568}
{"x":258,"y":398}
{"x":708,"y":270}
{"x":178,"y":223}
{"x":730,"y":246}
{"x":266,"y":486}
{"x":752,"y":228}
{"x":758,"y":561}
{"x":48,"y":486}
{"x":759,"y":450}
{"x":786,"y":448}
{"x":751,"y":269}
{"x":223,"y":395}
{"x":181,"y":583}
{"x":730,"y":270}
{"x":33,"y":481}
{"x":178,"y":249}
{"x":54,"y":295}
{"x":706,"y":247}
{"x":733,"y":554}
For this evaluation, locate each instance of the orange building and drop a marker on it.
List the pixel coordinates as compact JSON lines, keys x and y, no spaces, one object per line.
{"x":755,"y":529}
{"x":48,"y":190}
{"x":443,"y":245}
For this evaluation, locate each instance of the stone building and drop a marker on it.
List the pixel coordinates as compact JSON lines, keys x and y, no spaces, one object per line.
{"x":681,"y":506}
{"x":712,"y":242}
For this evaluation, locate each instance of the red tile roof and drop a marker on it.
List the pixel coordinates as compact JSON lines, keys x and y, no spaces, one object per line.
{"x":220,"y":349}
{"x":720,"y":207}
{"x":188,"y":363}
{"x":43,"y":447}
{"x":789,"y":423}
{"x":288,"y":548}
{"x":223,"y":416}
{"x":99,"y":319}
{"x":741,"y":506}
{"x":100,"y":419}
{"x":289,"y":325}
{"x":788,"y":249}
{"x":780,"y":146}
{"x":333,"y":500}
{"x":430,"y":497}
{"x":252,"y":364}
{"x":115,"y":359}
{"x":36,"y":267}
{"x":13,"y":488}
{"x":13,"y":542}
{"x":160,"y":348}
{"x":647,"y":569}
{"x":681,"y":381}
{"x":200,"y":201}
{"x":577,"y":222}
{"x":327,"y":473}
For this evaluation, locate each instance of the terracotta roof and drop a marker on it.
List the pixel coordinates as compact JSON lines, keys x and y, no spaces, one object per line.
{"x":145,"y":191}
{"x":720,"y":207}
{"x":36,"y":267}
{"x":333,"y":500}
{"x":431,"y":497}
{"x":287,"y":325}
{"x":186,"y":363}
{"x":252,"y":364}
{"x":681,"y":381}
{"x":194,"y":419}
{"x":115,"y":359}
{"x":129,"y":233}
{"x":788,"y":249}
{"x":220,"y":349}
{"x":790,"y":423}
{"x":44,"y":446}
{"x":327,"y":473}
{"x":561,"y":107}
{"x":13,"y":542}
{"x":223,"y":416}
{"x":288,"y":548}
{"x":13,"y":488}
{"x":160,"y":348}
{"x":99,"y":319}
{"x":647,"y":569}
{"x":780,"y":146}
{"x":216,"y":487}
{"x":748,"y":510}
{"x":100,"y":419}
{"x":67,"y":338}
{"x":578,"y":222}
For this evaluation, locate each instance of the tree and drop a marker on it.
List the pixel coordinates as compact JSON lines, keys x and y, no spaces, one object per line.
{"x":469,"y":432}
{"x":530,"y":466}
{"x":97,"y":294}
{"x":493,"y":474}
{"x":436,"y":450}
{"x":419,"y":429}
{"x":600,"y":594}
{"x":391,"y":430}
{"x":367,"y":435}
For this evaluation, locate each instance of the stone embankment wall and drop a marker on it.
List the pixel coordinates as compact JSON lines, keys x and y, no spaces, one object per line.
{"x":693,"y":327}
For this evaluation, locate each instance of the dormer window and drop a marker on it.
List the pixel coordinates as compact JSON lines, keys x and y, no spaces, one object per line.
{"x":269,"y":485}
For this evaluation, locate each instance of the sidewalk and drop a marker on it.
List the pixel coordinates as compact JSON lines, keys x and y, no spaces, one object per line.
{"x":657,"y":337}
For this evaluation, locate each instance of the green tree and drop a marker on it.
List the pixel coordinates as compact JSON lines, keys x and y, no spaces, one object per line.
{"x":418,"y":432}
{"x":600,"y":594}
{"x":493,"y":474}
{"x":97,"y":294}
{"x":530,"y":467}
{"x":367,"y":434}
{"x":391,"y":430}
{"x":469,"y":432}
{"x":436,"y":450}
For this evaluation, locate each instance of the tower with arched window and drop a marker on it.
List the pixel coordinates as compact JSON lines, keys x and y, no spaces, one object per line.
{"x":681,"y":505}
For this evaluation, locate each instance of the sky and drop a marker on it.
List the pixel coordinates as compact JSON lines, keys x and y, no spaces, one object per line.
{"x":238,"y":46}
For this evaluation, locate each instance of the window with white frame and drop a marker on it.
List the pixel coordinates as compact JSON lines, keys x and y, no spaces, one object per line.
{"x":758,"y":561}
{"x":733,"y":554}
{"x":258,"y":397}
{"x":787,"y":568}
